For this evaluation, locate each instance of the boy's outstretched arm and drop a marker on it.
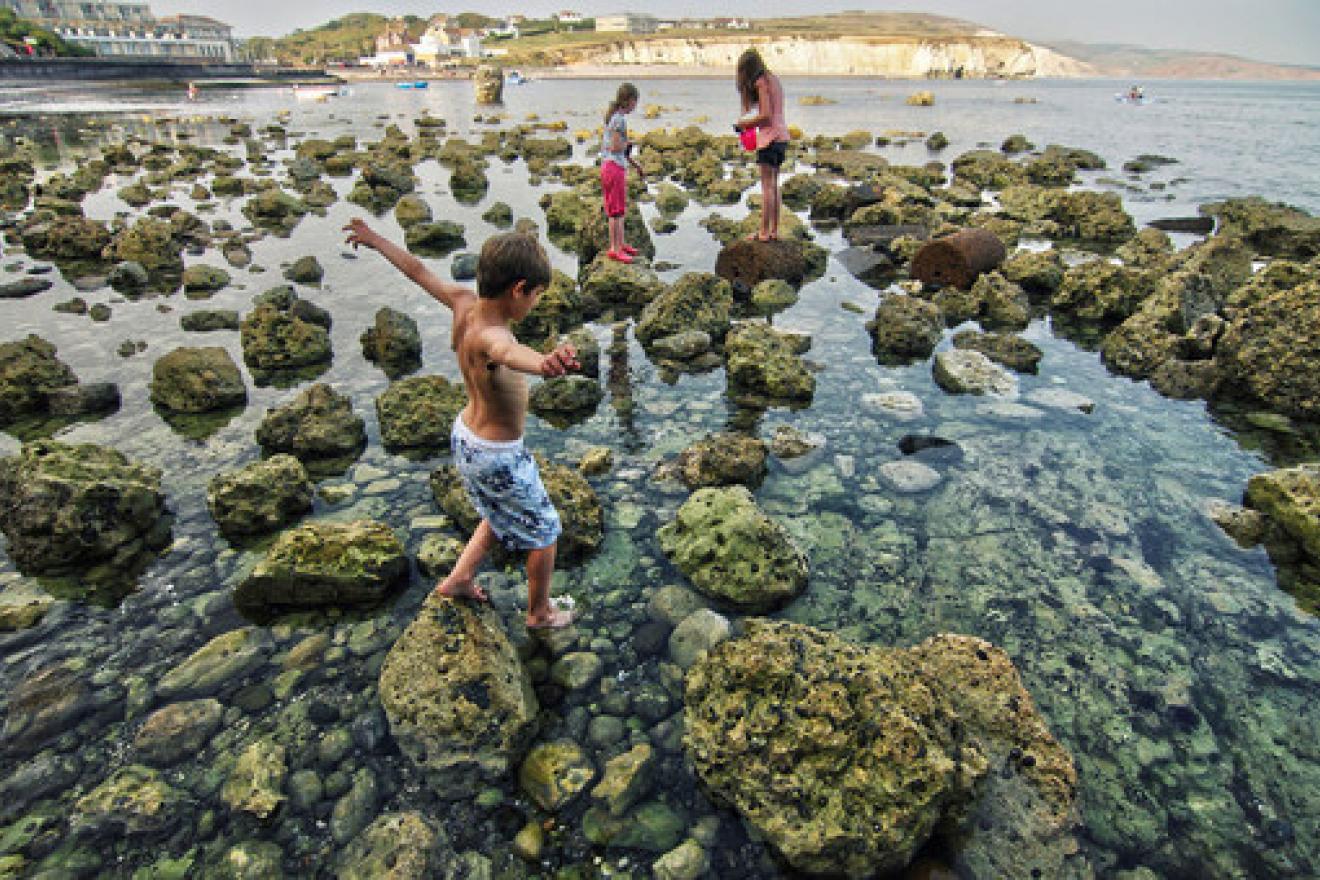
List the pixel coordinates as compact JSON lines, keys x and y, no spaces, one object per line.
{"x":502,"y":348}
{"x":360,"y":233}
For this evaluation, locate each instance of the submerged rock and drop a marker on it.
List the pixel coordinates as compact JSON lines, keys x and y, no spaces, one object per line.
{"x":396,"y":846}
{"x":732,"y":552}
{"x":45,"y":704}
{"x":961,"y":371}
{"x":134,"y":802}
{"x":939,"y":736}
{"x":256,"y":782}
{"x":459,"y":702}
{"x":217,"y":665}
{"x":555,"y":773}
{"x":178,"y":731}
{"x":723,"y":459}
{"x":325,"y":563}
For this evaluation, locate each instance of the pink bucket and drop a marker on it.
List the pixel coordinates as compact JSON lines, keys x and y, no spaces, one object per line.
{"x":747,"y":137}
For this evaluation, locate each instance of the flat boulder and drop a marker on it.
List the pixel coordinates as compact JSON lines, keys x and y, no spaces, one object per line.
{"x":459,"y":702}
{"x":178,"y":731}
{"x":611,"y":283}
{"x":325,"y":563}
{"x":847,"y":759}
{"x":962,"y":371}
{"x":732,"y":552}
{"x":1006,"y":349}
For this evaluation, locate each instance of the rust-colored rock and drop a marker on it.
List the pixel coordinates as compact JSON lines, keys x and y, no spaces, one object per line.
{"x":958,"y":259}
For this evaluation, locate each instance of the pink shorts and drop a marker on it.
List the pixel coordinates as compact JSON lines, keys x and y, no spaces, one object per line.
{"x":614,"y":186}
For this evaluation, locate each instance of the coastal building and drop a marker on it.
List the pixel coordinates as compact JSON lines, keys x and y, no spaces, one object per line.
{"x":626,"y":22}
{"x":568,"y":16}
{"x":128,"y":28}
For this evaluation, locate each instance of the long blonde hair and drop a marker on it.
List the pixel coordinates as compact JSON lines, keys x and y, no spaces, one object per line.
{"x":627,"y":92}
{"x":751,"y":67}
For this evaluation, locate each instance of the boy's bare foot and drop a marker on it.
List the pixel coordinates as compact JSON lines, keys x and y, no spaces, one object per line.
{"x":461,"y":588}
{"x":555,"y":618}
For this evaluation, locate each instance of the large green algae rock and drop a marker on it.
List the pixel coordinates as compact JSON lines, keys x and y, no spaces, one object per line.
{"x":561,"y":308}
{"x":611,"y":283}
{"x":724,"y":458}
{"x":276,"y":340}
{"x":395,"y":846}
{"x":1272,"y":229}
{"x":698,"y":301}
{"x":326,"y":563}
{"x":1081,"y":214}
{"x":197,"y":380}
{"x":459,"y":701}
{"x":1269,"y":350}
{"x":394,"y":343}
{"x":276,"y":210}
{"x":256,"y":782}
{"x":847,"y":759}
{"x":261,"y":497}
{"x":319,"y":425}
{"x":151,"y":243}
{"x":732,"y":552}
{"x":905,"y":329}
{"x":565,"y":400}
{"x":29,"y":373}
{"x":135,"y":801}
{"x":764,"y":367}
{"x":419,"y":412}
{"x":65,"y":238}
{"x":66,"y":508}
{"x":1290,"y":499}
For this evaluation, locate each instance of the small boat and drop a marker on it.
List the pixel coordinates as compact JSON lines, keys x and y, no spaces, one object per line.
{"x":419,"y":84}
{"x":318,"y":92}
{"x":515,"y":78}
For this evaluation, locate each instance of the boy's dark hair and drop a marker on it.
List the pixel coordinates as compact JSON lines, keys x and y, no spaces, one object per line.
{"x":507,"y":259}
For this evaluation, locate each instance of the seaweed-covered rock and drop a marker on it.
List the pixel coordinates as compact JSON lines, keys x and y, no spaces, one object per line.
{"x":419,"y":412}
{"x":611,"y":283}
{"x":201,"y":281}
{"x":151,"y":244}
{"x":732,"y":552}
{"x":593,"y":236}
{"x":560,"y":309}
{"x":278,"y":340}
{"x":261,"y":497}
{"x":468,"y":181}
{"x":1271,"y":229}
{"x":411,"y":210}
{"x":435,"y":239}
{"x":698,"y":301}
{"x":65,"y":508}
{"x":275,"y":209}
{"x":987,"y":169}
{"x":763,"y":365}
{"x":197,"y":380}
{"x":1101,"y":293}
{"x":319,"y":424}
{"x":905,"y":329}
{"x":1004,"y":305}
{"x":848,"y":759}
{"x":29,"y":373}
{"x":178,"y":731}
{"x":1290,"y":500}
{"x":326,"y":563}
{"x":394,"y":344}
{"x":1038,"y":272}
{"x":555,"y":773}
{"x":459,"y":701}
{"x":210,"y":319}
{"x":395,"y":846}
{"x":1081,"y":214}
{"x":566,"y":399}
{"x":256,"y":781}
{"x":64,"y":238}
{"x":1007,"y":349}
{"x":305,"y":270}
{"x":135,"y":801}
{"x":724,"y":458}
{"x":1267,"y":352}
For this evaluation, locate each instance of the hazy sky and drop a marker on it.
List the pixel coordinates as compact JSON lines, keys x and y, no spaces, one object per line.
{"x":1286,"y":31}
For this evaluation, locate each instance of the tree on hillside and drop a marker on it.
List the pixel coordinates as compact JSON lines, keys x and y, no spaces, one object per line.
{"x":19,"y":33}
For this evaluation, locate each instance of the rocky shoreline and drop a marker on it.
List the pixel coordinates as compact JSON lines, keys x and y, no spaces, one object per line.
{"x":845,"y":758}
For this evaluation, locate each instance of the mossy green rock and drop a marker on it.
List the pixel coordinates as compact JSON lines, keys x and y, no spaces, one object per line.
{"x":204,"y":280}
{"x":594,"y":237}
{"x":1038,"y":272}
{"x":561,"y":308}
{"x":395,"y":846}
{"x":612,"y":283}
{"x":1102,"y":293}
{"x":1007,"y":349}
{"x":724,"y":458}
{"x":1268,"y":351}
{"x":29,"y":372}
{"x":177,"y":731}
{"x":655,"y":827}
{"x":905,"y":328}
{"x":394,"y":344}
{"x":252,"y":860}
{"x":65,"y":507}
{"x":276,"y":339}
{"x":1081,"y":214}
{"x":274,"y":209}
{"x":319,"y":424}
{"x":627,"y":779}
{"x":134,"y":801}
{"x":411,"y":210}
{"x":197,"y":380}
{"x":459,"y":702}
{"x":1290,"y":499}
{"x":763,"y":365}
{"x":698,"y":301}
{"x":1272,"y":229}
{"x":326,"y":563}
{"x":64,"y":238}
{"x":419,"y":412}
{"x":305,"y":270}
{"x":733,"y":552}
{"x":151,"y":244}
{"x":256,"y":783}
{"x":847,"y":759}
{"x":261,"y":497}
{"x":555,"y":773}
{"x":565,"y":398}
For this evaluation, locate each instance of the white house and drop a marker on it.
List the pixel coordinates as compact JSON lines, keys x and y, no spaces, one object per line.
{"x":568,"y":16}
{"x":626,"y":22}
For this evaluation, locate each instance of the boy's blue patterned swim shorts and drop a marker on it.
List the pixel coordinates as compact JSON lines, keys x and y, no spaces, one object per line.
{"x":505,"y":487}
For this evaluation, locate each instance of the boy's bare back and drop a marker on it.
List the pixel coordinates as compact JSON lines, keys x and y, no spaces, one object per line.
{"x":497,"y":395}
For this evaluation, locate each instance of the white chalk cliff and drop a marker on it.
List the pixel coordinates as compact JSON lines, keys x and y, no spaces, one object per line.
{"x":975,"y":57}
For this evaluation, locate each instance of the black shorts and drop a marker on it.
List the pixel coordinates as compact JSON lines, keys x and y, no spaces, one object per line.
{"x":772,"y":155}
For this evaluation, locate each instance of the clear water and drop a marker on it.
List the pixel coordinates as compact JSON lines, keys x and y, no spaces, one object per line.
{"x":1165,"y":658}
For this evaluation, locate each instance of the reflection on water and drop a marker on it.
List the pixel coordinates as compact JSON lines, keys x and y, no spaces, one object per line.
{"x":1164,"y":657}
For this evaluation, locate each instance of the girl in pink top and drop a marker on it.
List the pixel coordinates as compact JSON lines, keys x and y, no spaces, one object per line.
{"x":760,"y":88}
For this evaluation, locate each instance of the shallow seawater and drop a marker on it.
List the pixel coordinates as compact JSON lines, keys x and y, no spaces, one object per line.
{"x":1164,"y":658}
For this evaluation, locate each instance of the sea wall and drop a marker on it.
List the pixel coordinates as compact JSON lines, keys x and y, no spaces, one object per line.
{"x":971,"y":57}
{"x":110,"y":69}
